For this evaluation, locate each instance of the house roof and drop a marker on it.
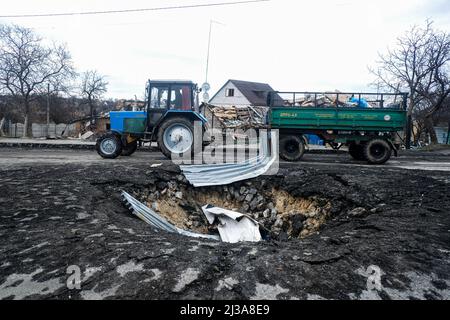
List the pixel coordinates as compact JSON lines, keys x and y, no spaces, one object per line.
{"x":255,"y":92}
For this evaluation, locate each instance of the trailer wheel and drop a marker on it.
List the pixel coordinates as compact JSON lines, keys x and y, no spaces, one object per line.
{"x":292,"y":148}
{"x":109,"y":146}
{"x":377,"y":151}
{"x":176,"y":136}
{"x":356,"y":151}
{"x":129,"y":149}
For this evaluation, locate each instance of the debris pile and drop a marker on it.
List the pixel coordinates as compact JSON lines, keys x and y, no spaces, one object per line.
{"x":340,"y":100}
{"x":236,"y":117}
{"x":88,"y":128}
{"x":129,"y":105}
{"x":321,"y":100}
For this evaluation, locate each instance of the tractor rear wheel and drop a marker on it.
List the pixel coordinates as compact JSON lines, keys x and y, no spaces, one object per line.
{"x":129,"y":149}
{"x":109,"y":146}
{"x":176,"y":136}
{"x":356,"y":151}
{"x":377,"y":151}
{"x":292,"y":148}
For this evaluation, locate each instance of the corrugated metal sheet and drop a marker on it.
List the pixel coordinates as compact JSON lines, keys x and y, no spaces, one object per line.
{"x":155,"y":220}
{"x":223,"y":174}
{"x":234,"y":226}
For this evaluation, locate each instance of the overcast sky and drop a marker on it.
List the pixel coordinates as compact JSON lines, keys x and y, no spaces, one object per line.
{"x":290,"y":44}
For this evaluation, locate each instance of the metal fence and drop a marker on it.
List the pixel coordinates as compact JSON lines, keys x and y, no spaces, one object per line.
{"x":442,"y":134}
{"x":16,"y":130}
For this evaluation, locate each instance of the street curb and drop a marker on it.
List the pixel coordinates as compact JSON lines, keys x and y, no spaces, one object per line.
{"x":77,"y":146}
{"x":329,"y":151}
{"x":46,"y":146}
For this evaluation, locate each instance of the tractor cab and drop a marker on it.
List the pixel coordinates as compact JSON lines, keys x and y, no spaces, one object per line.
{"x":165,"y":95}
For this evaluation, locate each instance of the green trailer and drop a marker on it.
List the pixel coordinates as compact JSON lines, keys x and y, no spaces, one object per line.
{"x":367,"y":123}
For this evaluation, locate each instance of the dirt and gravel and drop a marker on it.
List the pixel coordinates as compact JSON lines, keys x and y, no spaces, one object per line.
{"x":331,"y":221}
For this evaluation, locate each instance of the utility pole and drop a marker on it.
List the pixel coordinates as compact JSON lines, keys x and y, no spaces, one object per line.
{"x":48,"y":110}
{"x":206,"y":86}
{"x":209,"y":50}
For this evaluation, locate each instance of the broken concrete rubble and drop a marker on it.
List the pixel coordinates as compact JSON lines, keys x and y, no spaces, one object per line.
{"x":299,"y":216}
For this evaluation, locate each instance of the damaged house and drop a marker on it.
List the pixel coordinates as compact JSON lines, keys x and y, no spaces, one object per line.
{"x":242,"y":93}
{"x":239,"y":104}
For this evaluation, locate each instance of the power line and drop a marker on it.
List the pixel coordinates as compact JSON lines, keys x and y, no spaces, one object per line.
{"x":129,"y":10}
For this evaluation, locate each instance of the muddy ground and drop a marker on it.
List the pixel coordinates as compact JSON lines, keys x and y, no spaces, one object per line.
{"x":341,"y":220}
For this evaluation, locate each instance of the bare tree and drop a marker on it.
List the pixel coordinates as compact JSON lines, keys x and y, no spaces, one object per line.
{"x":28,"y":67}
{"x":418,"y":64}
{"x":435,"y":88}
{"x":93,"y":87}
{"x":2,"y":122}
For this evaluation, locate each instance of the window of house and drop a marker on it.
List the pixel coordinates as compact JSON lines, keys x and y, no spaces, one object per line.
{"x":229,"y":93}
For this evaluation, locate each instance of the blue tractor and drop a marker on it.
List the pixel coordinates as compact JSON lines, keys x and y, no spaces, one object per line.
{"x":169,"y":116}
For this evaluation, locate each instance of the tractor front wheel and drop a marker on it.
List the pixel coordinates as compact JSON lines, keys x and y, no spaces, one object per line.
{"x":176,"y":136}
{"x":109,"y":146}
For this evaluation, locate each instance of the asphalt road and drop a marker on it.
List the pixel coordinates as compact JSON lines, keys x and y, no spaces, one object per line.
{"x":413,"y":160}
{"x":388,"y":236}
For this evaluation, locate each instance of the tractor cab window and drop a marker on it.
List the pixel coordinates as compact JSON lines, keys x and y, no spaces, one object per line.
{"x":159,"y":97}
{"x":180,"y":97}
